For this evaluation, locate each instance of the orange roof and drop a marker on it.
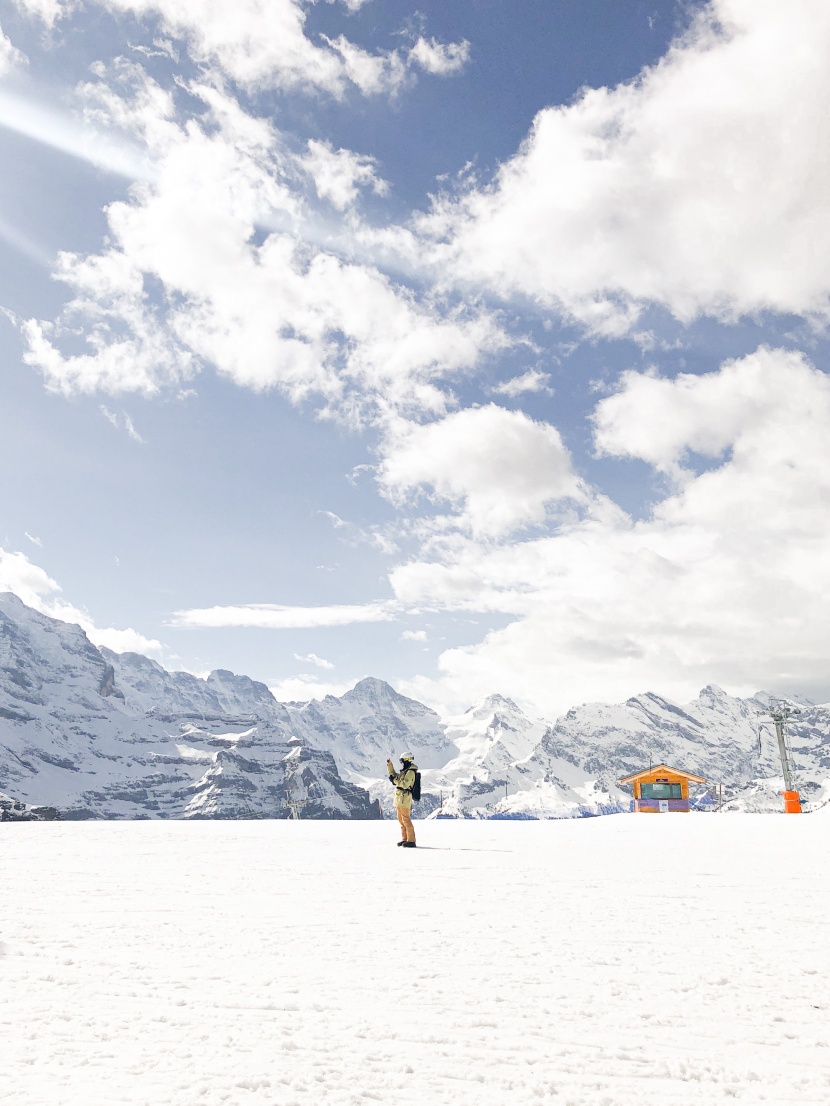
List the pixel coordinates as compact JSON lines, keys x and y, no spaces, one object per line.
{"x":662,"y":768}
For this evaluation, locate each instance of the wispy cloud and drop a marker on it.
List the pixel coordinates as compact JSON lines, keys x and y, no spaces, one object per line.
{"x":312,"y":658}
{"x":122,"y":420}
{"x":265,"y":45}
{"x":534,"y":380}
{"x":10,"y":56}
{"x":131,"y":430}
{"x":276,"y":617}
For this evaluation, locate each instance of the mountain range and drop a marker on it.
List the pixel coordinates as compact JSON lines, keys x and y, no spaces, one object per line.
{"x":88,"y":733}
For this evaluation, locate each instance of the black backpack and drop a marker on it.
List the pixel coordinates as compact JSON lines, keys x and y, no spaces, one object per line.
{"x":416,"y":788}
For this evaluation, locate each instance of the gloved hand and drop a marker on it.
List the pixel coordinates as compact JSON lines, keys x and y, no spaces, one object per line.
{"x":390,"y":765}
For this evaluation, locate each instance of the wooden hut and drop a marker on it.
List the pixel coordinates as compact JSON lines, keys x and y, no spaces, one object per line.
{"x":661,"y":790}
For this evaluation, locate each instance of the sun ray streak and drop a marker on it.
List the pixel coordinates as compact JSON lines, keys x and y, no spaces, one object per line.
{"x":62,"y":133}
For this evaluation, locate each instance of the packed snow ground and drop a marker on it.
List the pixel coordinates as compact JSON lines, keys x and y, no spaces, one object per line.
{"x":603,"y":962}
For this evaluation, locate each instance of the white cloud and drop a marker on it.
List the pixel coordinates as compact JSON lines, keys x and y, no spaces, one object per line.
{"x":37,"y":589}
{"x":500,"y":469}
{"x":130,"y":349}
{"x":33,"y":539}
{"x":312,"y":658}
{"x":414,"y":635}
{"x":273,"y":616}
{"x":115,"y":421}
{"x":373,"y":74}
{"x":534,"y":380}
{"x":131,"y":430}
{"x":29,"y":582}
{"x":10,"y":57}
{"x":300,"y":689}
{"x":49,"y":11}
{"x":727,"y":580}
{"x":263,"y":44}
{"x":338,"y":175}
{"x":662,"y":421}
{"x":280,"y":314}
{"x":702,"y":186}
{"x":439,"y":57}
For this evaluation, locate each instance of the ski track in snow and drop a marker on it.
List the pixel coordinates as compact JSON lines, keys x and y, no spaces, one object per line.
{"x":626,"y":959}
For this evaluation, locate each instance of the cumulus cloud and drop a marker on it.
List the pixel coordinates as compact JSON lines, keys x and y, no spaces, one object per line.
{"x":273,"y":616}
{"x":312,"y":658}
{"x":439,"y":57}
{"x":499,"y":469}
{"x":37,"y":589}
{"x":727,"y":579}
{"x":130,"y":350}
{"x":275,"y":314}
{"x":702,"y":186}
{"x":414,"y":635}
{"x":338,"y":175}
{"x":663,"y":421}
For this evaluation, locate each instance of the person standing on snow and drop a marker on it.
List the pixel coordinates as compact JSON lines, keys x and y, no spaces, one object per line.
{"x":404,"y":781}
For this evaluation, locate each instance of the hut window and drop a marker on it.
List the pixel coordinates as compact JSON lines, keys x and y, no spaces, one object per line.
{"x":660,"y":791}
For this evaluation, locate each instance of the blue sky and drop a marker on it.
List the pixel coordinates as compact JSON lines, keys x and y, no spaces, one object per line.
{"x":479,"y":347}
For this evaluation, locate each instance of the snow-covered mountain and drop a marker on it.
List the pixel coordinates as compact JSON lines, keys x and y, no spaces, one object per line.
{"x":370,"y":723}
{"x":572,"y":768}
{"x":93,"y":733}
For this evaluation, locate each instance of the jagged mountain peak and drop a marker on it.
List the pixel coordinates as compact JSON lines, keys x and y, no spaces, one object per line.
{"x":370,"y":687}
{"x":368,"y":724}
{"x":713,"y":692}
{"x":491,"y":704}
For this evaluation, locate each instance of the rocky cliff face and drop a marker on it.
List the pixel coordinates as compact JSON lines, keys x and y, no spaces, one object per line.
{"x":98,"y":735}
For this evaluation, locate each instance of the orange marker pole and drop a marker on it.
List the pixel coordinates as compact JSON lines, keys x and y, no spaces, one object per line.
{"x":792,"y":803}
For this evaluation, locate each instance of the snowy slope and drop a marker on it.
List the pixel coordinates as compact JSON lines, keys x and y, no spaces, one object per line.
{"x":273,"y":964}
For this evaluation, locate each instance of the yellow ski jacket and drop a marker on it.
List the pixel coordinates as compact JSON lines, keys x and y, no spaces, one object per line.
{"x":404,"y":782}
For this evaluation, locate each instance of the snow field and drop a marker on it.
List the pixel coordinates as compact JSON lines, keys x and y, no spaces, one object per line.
{"x":604,"y":962}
